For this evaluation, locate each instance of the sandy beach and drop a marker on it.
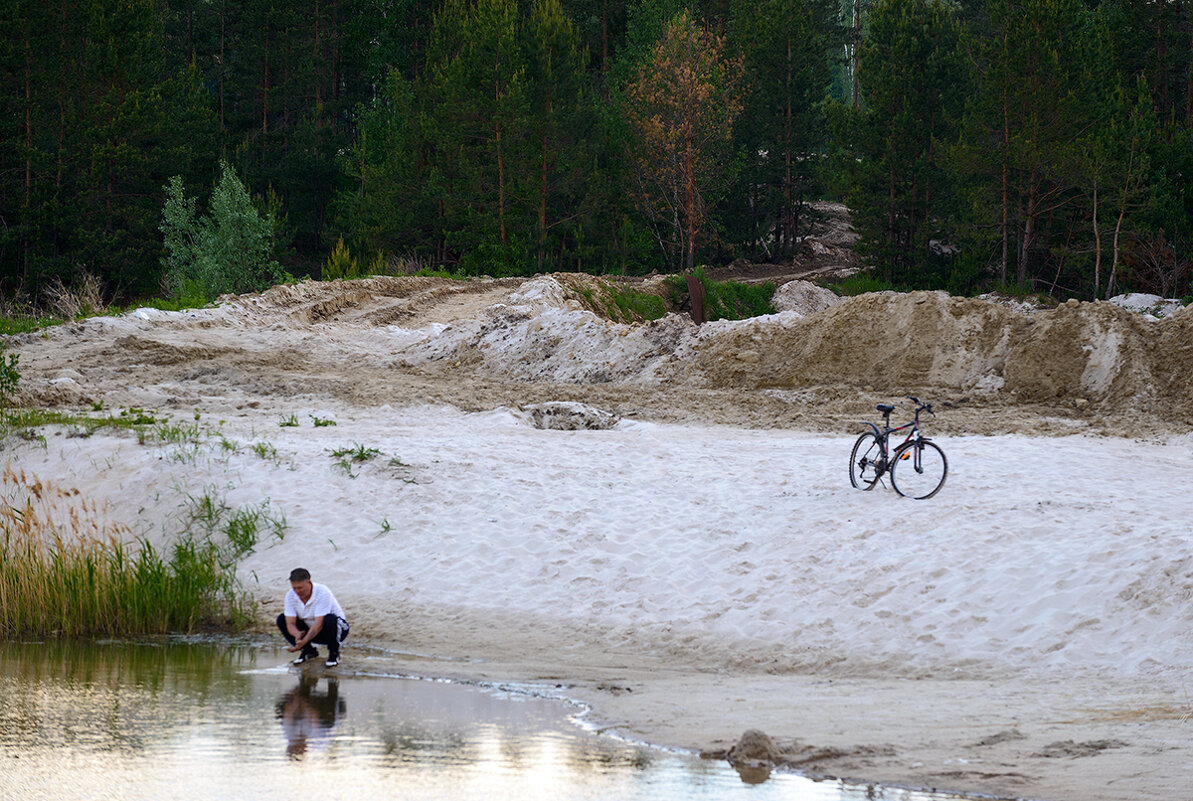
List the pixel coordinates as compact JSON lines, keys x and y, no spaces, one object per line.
{"x":655,"y":519}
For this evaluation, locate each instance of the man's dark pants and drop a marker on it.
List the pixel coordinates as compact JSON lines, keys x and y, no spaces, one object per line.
{"x":329,"y":635}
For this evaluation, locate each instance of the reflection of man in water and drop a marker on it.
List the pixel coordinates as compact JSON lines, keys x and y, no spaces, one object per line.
{"x":307,"y":716}
{"x":312,"y":615}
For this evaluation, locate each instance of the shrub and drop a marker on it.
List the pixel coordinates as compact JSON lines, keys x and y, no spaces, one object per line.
{"x":230,"y":249}
{"x":340,"y":265}
{"x":84,"y":299}
{"x":9,"y":375}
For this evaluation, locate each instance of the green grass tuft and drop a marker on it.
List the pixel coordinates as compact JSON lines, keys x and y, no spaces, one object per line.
{"x":861,"y":283}
{"x":630,"y":305}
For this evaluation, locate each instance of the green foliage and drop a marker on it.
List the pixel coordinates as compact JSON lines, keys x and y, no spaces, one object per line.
{"x":27,"y":323}
{"x":631,"y":305}
{"x":786,"y":46}
{"x":265,"y":450}
{"x":289,"y":422}
{"x":680,"y":106}
{"x":321,"y":422}
{"x":228,"y":250}
{"x":1040,"y":142}
{"x":861,"y":283}
{"x":340,"y":265}
{"x":173,"y":434}
{"x":10,"y":375}
{"x":727,"y":300}
{"x":139,"y":421}
{"x":354,"y":455}
{"x":239,"y":530}
{"x":897,"y":180}
{"x":439,"y":272}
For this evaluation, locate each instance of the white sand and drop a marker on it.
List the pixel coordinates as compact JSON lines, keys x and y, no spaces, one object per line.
{"x":1027,"y":632}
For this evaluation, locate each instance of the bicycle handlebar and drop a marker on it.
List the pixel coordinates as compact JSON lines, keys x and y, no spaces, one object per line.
{"x":921,"y":406}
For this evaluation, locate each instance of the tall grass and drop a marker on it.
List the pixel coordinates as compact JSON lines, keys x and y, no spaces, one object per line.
{"x":63,"y":571}
{"x":726,"y":300}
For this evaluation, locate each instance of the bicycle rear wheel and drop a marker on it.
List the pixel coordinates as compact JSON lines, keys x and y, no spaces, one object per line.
{"x":920,"y":477}
{"x":865,"y":463}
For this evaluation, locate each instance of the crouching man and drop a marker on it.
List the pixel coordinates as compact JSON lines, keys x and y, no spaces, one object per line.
{"x":312,"y":615}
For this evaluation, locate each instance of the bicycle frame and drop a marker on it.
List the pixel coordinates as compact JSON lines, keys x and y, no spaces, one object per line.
{"x":882,"y":436}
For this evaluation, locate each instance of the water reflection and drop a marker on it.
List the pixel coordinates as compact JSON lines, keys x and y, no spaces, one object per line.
{"x":167,"y":719}
{"x":308,"y":716}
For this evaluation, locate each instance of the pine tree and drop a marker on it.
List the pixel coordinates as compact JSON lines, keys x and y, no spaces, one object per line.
{"x":785,"y":46}
{"x":477,"y":107}
{"x":681,"y":106}
{"x":562,"y":120}
{"x":229,"y":249}
{"x":913,"y":84}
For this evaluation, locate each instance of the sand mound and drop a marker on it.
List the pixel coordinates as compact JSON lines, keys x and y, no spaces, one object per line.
{"x":804,"y":297}
{"x":932,"y":343}
{"x":350,"y":339}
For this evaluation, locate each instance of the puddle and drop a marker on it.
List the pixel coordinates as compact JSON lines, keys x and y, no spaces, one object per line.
{"x":183,"y":719}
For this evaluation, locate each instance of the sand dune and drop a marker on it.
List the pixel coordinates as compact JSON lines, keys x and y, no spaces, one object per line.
{"x":656,"y":518}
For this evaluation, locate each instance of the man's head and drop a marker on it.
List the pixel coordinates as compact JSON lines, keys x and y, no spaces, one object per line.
{"x":300,"y":582}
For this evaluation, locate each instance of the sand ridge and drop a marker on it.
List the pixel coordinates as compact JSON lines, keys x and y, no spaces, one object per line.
{"x":994,"y":367}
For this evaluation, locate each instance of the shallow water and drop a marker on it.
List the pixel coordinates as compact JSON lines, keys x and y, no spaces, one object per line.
{"x":213,"y":721}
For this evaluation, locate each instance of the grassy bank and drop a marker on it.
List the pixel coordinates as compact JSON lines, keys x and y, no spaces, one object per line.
{"x":64,"y":571}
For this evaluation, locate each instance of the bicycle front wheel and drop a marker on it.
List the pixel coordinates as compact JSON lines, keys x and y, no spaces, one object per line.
{"x":918,"y":469}
{"x":865,"y":463}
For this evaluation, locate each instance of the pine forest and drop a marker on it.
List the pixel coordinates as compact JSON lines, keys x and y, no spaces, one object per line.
{"x":172,"y":148}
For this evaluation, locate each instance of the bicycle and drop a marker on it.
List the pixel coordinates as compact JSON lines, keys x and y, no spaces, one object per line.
{"x":917,"y":466}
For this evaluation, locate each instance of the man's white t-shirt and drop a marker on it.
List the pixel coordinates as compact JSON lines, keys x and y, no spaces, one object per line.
{"x":321,"y":603}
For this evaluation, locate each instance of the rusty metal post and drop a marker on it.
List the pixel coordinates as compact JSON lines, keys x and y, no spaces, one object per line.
{"x":696,"y":298}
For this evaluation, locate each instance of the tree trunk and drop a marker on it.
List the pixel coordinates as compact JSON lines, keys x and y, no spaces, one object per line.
{"x":924,"y":226}
{"x":1161,"y":56}
{"x":1097,"y":248}
{"x":223,"y":64}
{"x":318,"y":62}
{"x":542,"y":221}
{"x":28,"y":199}
{"x":1029,"y":230}
{"x":891,"y":236}
{"x":1189,"y":82}
{"x":857,"y":38}
{"x":265,"y":87}
{"x":335,"y":62}
{"x":689,"y":177}
{"x":788,"y":237}
{"x":1122,"y":213}
{"x":1006,"y":194}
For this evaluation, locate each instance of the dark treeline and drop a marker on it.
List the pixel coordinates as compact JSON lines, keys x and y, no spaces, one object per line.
{"x":1038,"y":143}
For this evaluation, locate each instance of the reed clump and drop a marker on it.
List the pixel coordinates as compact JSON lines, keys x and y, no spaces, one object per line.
{"x":65,"y":570}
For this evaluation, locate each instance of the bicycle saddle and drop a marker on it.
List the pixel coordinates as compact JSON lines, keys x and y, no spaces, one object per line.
{"x":885,"y":408}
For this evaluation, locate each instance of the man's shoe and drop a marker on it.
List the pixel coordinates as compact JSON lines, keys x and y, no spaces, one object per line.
{"x":332,"y":661}
{"x":307,"y":655}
